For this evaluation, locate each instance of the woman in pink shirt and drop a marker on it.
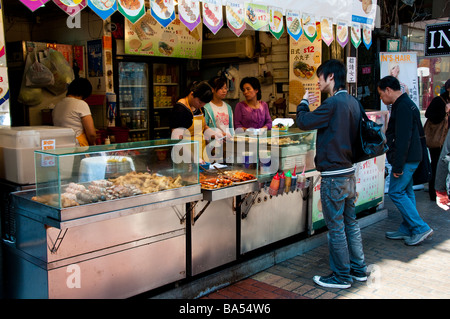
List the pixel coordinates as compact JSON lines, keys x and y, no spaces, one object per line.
{"x":253,"y":112}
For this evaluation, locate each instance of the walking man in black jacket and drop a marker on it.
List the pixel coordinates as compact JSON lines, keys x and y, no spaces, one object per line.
{"x":336,"y":121}
{"x":404,"y":154}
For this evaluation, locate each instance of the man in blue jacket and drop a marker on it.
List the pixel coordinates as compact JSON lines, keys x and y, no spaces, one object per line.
{"x":404,"y":154}
{"x":337,"y":122}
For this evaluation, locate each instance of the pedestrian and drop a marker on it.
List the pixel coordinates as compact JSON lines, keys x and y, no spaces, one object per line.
{"x":336,"y":120}
{"x":442,"y":182}
{"x":253,"y":113}
{"x":437,"y":112}
{"x":404,"y":154}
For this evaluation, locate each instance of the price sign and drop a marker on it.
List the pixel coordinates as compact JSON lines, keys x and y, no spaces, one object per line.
{"x":48,"y":160}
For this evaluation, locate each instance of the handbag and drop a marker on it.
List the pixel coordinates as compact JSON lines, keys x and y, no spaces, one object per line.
{"x":371,"y":141}
{"x":435,"y":133}
{"x":423,"y":172}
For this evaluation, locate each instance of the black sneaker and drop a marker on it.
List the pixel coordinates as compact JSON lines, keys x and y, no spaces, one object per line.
{"x":358,"y":275}
{"x":331,"y":281}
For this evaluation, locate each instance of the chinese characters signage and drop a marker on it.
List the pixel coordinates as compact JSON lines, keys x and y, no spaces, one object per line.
{"x":175,"y":40}
{"x":304,"y":59}
{"x":351,"y":70}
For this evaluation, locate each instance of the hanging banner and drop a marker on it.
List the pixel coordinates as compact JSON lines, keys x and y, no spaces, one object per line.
{"x":235,"y":12}
{"x":356,"y":34}
{"x":5,"y":118}
{"x":276,"y":22}
{"x":212,"y":15}
{"x":256,"y":15}
{"x":71,"y":7}
{"x":151,"y":39}
{"x":367,"y":36}
{"x":403,"y":66}
{"x":293,"y":24}
{"x":34,"y":4}
{"x":342,"y":33}
{"x":132,"y":10}
{"x":163,"y":11}
{"x":104,"y":9}
{"x":326,"y":29}
{"x":309,"y":26}
{"x":304,"y":59}
{"x":189,"y":13}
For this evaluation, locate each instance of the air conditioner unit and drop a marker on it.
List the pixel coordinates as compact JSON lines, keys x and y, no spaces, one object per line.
{"x":228,"y":48}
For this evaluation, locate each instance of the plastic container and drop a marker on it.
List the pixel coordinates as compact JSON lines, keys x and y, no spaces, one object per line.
{"x":17,"y":146}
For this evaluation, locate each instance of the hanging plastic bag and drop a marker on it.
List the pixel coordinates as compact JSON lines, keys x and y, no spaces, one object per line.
{"x":38,"y":75}
{"x":29,"y":96}
{"x":62,"y":72}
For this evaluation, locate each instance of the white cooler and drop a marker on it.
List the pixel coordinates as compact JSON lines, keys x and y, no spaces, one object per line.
{"x":17,"y":146}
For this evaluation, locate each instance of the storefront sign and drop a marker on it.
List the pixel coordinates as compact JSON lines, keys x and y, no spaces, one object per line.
{"x":235,"y":12}
{"x":363,"y":12}
{"x":132,"y":10}
{"x":175,"y":41}
{"x":276,"y":22}
{"x":326,"y":29}
{"x":71,"y":7}
{"x":437,"y":39}
{"x":212,"y":15}
{"x":256,"y":15}
{"x":403,"y":66}
{"x":393,"y":45}
{"x":163,"y":11}
{"x":104,"y":9}
{"x":352,"y":71}
{"x":189,"y":13}
{"x":293,"y":24}
{"x":304,"y":59}
{"x":34,"y":4}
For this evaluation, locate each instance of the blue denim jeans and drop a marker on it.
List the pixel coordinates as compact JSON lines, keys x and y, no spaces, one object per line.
{"x":338,"y":196}
{"x":402,"y":195}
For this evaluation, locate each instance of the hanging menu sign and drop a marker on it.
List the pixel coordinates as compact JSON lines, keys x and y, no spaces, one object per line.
{"x":71,"y":7}
{"x":175,"y":41}
{"x":34,"y":4}
{"x":309,"y":26}
{"x":132,"y":10}
{"x":293,"y":24}
{"x":276,"y":22}
{"x":104,"y":9}
{"x":235,"y":12}
{"x":212,"y":15}
{"x":367,"y":36}
{"x":256,"y":15}
{"x":326,"y":29}
{"x":189,"y":13}
{"x":163,"y":11}
{"x":342,"y":33}
{"x":356,"y":34}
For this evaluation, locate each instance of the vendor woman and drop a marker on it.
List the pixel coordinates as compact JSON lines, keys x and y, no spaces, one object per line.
{"x":188,"y":116}
{"x":253,"y":112}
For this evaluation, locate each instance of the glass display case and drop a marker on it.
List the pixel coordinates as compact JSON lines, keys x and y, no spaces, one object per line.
{"x":77,"y":176}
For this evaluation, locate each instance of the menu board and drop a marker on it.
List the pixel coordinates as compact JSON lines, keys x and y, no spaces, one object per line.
{"x":147,"y":37}
{"x":304,"y":59}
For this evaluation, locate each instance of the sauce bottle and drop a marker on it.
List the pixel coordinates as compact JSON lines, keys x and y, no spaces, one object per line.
{"x":282,"y":183}
{"x":274,"y":185}
{"x":287,"y":185}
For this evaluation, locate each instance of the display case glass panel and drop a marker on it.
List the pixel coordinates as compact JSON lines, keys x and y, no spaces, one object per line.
{"x":82,"y":175}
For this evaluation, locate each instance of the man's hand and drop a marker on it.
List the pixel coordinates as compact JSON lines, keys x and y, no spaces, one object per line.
{"x":442,"y":200}
{"x":397,"y":175}
{"x":311,"y":98}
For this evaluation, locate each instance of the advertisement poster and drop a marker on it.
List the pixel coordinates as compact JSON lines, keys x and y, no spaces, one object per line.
{"x":304,"y":59}
{"x":212,"y":15}
{"x":150,"y":38}
{"x":34,"y":4}
{"x":95,"y":58}
{"x":403,"y":66}
{"x":276,"y":22}
{"x":256,"y":15}
{"x":71,"y":7}
{"x":235,"y":14}
{"x":5,"y":118}
{"x":104,"y":9}
{"x":189,"y":13}
{"x":363,"y":11}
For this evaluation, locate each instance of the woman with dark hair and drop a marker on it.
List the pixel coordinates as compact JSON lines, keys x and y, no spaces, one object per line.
{"x":253,"y":112}
{"x":187,"y":118}
{"x":436,"y":112}
{"x":218,"y":113}
{"x":73,"y":112}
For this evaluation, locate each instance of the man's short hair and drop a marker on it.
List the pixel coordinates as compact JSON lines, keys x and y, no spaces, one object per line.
{"x":389,"y":82}
{"x":337,"y":68}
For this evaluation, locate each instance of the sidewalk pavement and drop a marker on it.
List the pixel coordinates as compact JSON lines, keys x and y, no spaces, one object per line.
{"x":398,"y":271}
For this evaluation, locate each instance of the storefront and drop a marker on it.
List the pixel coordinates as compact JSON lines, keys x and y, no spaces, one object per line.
{"x":177,"y":220}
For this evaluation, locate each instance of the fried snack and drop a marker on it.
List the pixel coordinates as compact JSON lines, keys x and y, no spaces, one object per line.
{"x":342,"y":34}
{"x":302,"y":69}
{"x":367,"y":6}
{"x":296,"y":92}
{"x":135,"y":44}
{"x":325,"y":28}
